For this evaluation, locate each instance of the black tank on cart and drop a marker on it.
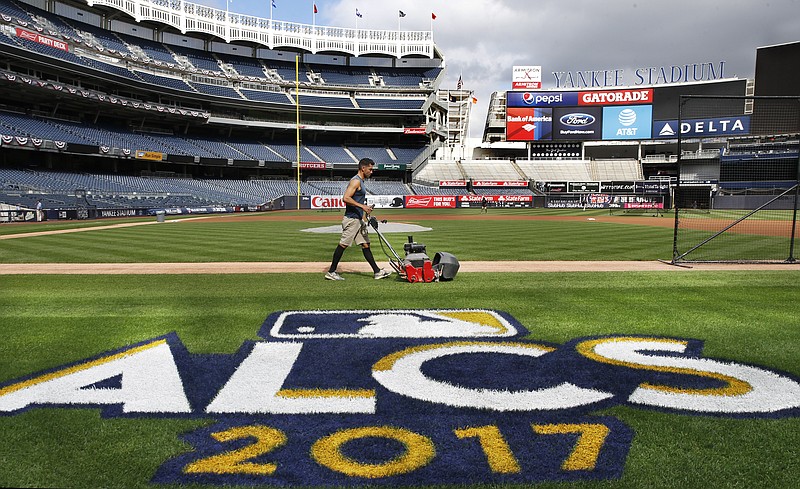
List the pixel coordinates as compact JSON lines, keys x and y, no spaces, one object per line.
{"x":417,"y":265}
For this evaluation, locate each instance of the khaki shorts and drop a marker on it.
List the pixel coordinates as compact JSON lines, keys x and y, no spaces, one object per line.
{"x":353,"y":231}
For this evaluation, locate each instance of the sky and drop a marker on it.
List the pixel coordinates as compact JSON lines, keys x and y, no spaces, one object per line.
{"x":482,"y":40}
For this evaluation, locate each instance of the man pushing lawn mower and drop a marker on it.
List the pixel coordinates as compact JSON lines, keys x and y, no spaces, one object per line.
{"x":354,"y":225}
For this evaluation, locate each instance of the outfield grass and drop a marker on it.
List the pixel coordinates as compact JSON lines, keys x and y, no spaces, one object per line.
{"x":47,"y":321}
{"x":484,"y":237}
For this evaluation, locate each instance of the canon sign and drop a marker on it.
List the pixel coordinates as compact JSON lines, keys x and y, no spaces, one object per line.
{"x":326,"y":202}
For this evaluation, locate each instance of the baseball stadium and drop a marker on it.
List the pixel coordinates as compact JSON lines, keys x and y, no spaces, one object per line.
{"x":600,"y":293}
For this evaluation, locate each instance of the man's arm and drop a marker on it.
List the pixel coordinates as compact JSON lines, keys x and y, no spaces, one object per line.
{"x":352,"y":187}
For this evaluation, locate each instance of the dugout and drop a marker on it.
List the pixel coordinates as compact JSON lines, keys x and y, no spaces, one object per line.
{"x":692,"y":196}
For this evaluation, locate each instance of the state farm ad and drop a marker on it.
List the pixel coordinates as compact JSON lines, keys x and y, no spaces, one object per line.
{"x":467,"y":201}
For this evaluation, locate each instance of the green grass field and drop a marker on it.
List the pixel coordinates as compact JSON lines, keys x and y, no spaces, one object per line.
{"x":486,"y":238}
{"x":48,"y":321}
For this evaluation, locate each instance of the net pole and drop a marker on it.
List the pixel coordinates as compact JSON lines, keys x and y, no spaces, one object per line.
{"x":677,"y":191}
{"x":791,"y":258}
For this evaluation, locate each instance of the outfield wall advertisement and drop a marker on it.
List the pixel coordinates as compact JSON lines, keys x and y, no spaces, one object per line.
{"x":606,"y":201}
{"x":321,"y":202}
{"x":454,"y":201}
{"x":467,"y":201}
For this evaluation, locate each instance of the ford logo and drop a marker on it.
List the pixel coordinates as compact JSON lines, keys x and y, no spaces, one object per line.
{"x":577,"y":119}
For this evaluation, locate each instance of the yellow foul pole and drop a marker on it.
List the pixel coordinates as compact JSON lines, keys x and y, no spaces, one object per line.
{"x":297,"y":124}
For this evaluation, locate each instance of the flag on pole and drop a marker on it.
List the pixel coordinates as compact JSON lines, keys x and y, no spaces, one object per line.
{"x":460,"y":83}
{"x":358,"y":14}
{"x":433,"y":16}
{"x":315,"y":9}
{"x":273,"y":4}
{"x":402,"y":14}
{"x":474,"y":100}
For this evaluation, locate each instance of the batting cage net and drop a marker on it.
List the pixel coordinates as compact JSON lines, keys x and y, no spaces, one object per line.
{"x":736,"y":195}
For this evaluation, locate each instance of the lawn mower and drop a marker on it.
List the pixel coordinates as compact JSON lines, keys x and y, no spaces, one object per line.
{"x":417,"y":266}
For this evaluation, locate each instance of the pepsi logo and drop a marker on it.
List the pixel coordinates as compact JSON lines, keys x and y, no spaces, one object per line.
{"x":528,"y":98}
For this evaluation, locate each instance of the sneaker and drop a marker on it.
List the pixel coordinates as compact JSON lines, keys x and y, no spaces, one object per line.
{"x":382,"y":274}
{"x":333,"y":276}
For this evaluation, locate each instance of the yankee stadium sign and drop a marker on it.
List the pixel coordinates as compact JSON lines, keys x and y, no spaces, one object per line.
{"x":405,"y":397}
{"x":652,"y":75}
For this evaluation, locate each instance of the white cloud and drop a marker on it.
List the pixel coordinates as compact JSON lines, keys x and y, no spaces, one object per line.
{"x":482,"y":39}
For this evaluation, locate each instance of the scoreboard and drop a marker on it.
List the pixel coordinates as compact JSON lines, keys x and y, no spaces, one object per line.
{"x":619,"y":114}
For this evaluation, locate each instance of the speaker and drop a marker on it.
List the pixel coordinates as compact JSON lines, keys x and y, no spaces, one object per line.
{"x":446,"y":265}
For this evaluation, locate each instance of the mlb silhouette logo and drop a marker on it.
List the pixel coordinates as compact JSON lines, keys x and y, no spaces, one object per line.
{"x":305,"y":325}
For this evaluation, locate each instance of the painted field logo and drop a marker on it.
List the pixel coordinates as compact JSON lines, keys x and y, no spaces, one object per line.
{"x":397,"y":397}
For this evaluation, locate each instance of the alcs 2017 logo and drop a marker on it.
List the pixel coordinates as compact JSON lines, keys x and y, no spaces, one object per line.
{"x":405,"y":397}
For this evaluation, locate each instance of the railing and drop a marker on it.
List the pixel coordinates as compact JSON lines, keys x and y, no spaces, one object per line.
{"x":230,"y":26}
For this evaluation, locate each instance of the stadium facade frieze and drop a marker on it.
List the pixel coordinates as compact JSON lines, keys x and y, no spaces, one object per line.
{"x":272,"y":33}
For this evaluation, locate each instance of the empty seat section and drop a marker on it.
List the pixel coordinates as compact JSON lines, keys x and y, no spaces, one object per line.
{"x":378,"y":155}
{"x":389,"y":103}
{"x":322,"y":101}
{"x":490,"y":170}
{"x":263,"y":96}
{"x":556,"y":170}
{"x":331,"y":154}
{"x":218,"y":90}
{"x":165,"y":81}
{"x":436,"y":170}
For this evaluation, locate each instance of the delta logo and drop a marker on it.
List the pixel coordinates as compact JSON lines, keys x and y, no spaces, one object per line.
{"x":405,"y":397}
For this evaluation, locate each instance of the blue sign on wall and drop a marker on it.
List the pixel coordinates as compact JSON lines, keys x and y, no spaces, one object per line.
{"x":721,"y":126}
{"x":627,"y":122}
{"x":578,"y":123}
{"x":541,"y":99}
